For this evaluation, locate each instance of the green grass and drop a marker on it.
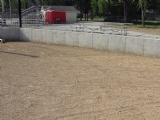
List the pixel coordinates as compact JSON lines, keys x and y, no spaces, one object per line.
{"x":94,"y":19}
{"x":149,"y":27}
{"x":149,"y":24}
{"x":98,"y":19}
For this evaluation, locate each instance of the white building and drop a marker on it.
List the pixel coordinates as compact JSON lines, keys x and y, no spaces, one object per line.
{"x":71,"y":11}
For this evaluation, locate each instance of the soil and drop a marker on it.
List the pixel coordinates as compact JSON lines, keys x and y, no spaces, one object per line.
{"x":53,"y":82}
{"x":146,"y":30}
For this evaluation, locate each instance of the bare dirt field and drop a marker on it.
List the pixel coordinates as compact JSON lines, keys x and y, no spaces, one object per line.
{"x":53,"y":82}
{"x":146,"y":30}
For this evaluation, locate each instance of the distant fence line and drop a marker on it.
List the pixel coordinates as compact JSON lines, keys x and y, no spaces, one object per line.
{"x":14,"y":13}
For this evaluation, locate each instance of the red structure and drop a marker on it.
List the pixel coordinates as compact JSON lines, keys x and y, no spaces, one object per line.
{"x":52,"y":16}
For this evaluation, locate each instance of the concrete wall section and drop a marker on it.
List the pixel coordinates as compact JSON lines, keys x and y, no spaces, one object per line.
{"x":101,"y":41}
{"x":47,"y":36}
{"x":151,"y":47}
{"x":117,"y":43}
{"x":14,"y":34}
{"x":86,"y":40}
{"x":25,"y":34}
{"x":10,"y":33}
{"x":134,"y":45}
{"x":4,"y":33}
{"x":59,"y":37}
{"x":72,"y":38}
{"x":36,"y":35}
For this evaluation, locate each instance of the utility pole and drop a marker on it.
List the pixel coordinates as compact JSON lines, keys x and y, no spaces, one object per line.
{"x":19,"y":11}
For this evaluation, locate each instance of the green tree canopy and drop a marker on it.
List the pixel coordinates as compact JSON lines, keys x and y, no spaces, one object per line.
{"x":102,"y":4}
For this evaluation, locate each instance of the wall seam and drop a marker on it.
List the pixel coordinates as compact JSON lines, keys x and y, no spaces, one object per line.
{"x":31,"y":34}
{"x":125,"y":45}
{"x":78,"y":38}
{"x":52,"y":40}
{"x":92,"y":40}
{"x":41,"y":36}
{"x":143,"y":46}
{"x":9,"y":34}
{"x":65,"y":43}
{"x":19,"y":34}
{"x":108,"y":42}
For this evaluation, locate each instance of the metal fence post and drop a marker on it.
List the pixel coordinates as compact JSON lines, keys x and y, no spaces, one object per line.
{"x":19,"y":11}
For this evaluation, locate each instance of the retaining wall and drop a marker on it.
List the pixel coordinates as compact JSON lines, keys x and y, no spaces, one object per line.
{"x":9,"y":33}
{"x":115,"y":43}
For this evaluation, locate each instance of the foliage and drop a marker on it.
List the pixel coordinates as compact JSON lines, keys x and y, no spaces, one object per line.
{"x":94,"y":6}
{"x":102,"y":4}
{"x":144,"y":2}
{"x":98,"y":7}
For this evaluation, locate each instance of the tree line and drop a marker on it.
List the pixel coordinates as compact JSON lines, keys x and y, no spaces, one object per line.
{"x":130,"y":9}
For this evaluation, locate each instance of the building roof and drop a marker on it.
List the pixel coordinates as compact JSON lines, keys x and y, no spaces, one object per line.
{"x":60,"y":8}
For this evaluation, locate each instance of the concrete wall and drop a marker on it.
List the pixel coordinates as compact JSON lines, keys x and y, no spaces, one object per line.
{"x":36,"y":35}
{"x":47,"y":36}
{"x":101,"y":41}
{"x":9,"y":33}
{"x":86,"y":40}
{"x":59,"y":37}
{"x":25,"y":34}
{"x":4,"y":33}
{"x":124,"y":44}
{"x":134,"y":45}
{"x":72,"y":38}
{"x":117,"y":43}
{"x":151,"y":47}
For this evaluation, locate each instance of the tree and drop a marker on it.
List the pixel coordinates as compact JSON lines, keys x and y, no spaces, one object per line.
{"x":68,"y":2}
{"x":153,"y":5}
{"x":94,"y":6}
{"x":143,"y":5}
{"x":87,"y":8}
{"x":126,"y":3}
{"x":83,"y":6}
{"x":10,"y":7}
{"x":80,"y":6}
{"x":126,"y":9}
{"x":102,"y":4}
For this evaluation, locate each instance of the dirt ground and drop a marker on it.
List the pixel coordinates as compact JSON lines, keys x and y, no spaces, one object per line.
{"x":53,"y":82}
{"x":146,"y":30}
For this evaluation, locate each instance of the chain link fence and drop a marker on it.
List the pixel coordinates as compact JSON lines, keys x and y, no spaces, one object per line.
{"x":31,"y":17}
